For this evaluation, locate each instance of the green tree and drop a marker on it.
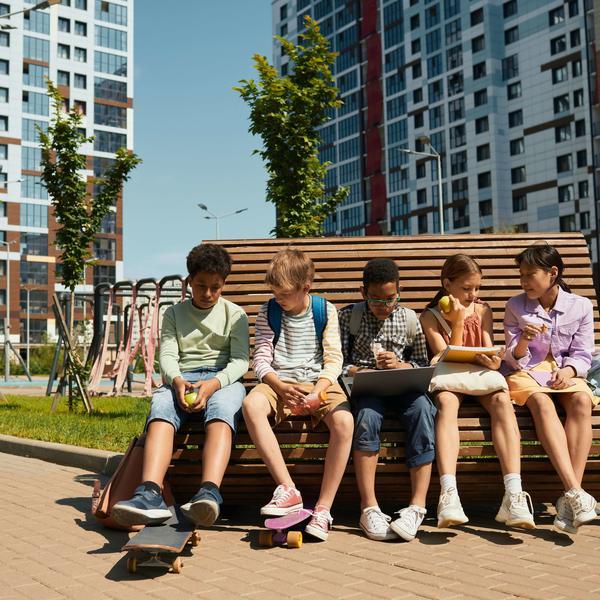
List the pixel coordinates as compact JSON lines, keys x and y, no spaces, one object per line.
{"x":285,"y":112}
{"x":78,"y":214}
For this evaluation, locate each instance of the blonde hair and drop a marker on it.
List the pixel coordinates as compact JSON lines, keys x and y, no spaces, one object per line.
{"x":290,"y":269}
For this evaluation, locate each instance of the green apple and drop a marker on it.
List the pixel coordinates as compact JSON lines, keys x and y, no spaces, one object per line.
{"x":444,"y":304}
{"x":190,"y":398}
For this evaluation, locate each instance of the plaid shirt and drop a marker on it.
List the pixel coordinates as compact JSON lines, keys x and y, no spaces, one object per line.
{"x":390,"y":333}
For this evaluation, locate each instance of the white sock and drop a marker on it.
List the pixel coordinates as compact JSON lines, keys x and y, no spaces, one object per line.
{"x":447,"y":482}
{"x":512,"y":483}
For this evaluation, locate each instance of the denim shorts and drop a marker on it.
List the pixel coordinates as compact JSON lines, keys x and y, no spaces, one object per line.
{"x":224,"y":405}
{"x":417,"y":413}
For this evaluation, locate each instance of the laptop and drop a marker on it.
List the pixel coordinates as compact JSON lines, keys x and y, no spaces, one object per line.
{"x":388,"y":382}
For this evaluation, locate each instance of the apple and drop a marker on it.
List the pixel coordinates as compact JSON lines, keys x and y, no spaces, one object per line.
{"x":444,"y":304}
{"x":190,"y":398}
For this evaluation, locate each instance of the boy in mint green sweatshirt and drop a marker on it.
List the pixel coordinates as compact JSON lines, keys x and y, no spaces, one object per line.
{"x":203,"y":352}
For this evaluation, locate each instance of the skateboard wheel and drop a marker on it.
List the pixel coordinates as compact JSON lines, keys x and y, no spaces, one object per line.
{"x":294,"y":539}
{"x":195,"y":539}
{"x":265,"y":538}
{"x":132,"y":564}
{"x":177,"y":565}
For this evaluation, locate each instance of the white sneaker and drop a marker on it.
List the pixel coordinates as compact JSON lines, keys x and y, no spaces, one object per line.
{"x":450,"y":510}
{"x":408,"y":522}
{"x":564,"y":516}
{"x":516,"y":510}
{"x":583,"y":506}
{"x":376,"y":524}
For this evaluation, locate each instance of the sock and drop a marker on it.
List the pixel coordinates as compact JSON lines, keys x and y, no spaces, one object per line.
{"x":209,"y":485}
{"x":512,"y":483}
{"x":447,"y":482}
{"x":150,"y":485}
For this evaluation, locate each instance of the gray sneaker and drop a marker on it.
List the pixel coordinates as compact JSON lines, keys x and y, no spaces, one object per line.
{"x":564,"y":516}
{"x":146,"y":507}
{"x":204,"y":508}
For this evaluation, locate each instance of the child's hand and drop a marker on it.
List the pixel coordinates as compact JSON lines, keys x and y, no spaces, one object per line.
{"x":292,"y":395}
{"x":206,"y":389}
{"x":489,"y":362}
{"x":456,"y":314}
{"x":182,"y":387}
{"x":530,"y":331}
{"x":387,"y":360}
{"x":561,"y":378}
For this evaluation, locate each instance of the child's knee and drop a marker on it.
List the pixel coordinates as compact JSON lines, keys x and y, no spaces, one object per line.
{"x":341,"y":424}
{"x":367,"y":428}
{"x":255,"y":405}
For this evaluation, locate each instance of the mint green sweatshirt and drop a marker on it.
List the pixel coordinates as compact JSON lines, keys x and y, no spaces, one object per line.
{"x":216,"y":337}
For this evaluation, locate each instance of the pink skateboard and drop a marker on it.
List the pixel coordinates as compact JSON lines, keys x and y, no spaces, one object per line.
{"x":277,"y":529}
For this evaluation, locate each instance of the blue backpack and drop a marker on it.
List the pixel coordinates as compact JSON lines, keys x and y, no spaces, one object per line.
{"x":319,"y":312}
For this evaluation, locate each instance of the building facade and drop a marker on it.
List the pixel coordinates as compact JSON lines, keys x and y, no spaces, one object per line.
{"x":504,"y":90}
{"x":86,"y":48}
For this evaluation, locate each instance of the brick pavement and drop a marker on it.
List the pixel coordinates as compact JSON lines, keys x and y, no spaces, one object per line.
{"x":50,"y":550}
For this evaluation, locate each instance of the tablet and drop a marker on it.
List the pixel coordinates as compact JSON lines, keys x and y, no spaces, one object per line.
{"x":466,"y":354}
{"x":388,"y":382}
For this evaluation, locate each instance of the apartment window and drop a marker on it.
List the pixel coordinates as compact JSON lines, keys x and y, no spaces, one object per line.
{"x":576,"y":68}
{"x":556,"y":16}
{"x":581,"y":159}
{"x":36,"y":103}
{"x":558,"y":44}
{"x":107,"y":141}
{"x":479,"y":70}
{"x":63,"y":78}
{"x":105,"y":248}
{"x":480,"y":97}
{"x":566,"y":193}
{"x":511,"y":35}
{"x":458,"y":136}
{"x":3,"y":151}
{"x":573,"y":8}
{"x":454,"y":57}
{"x":63,"y":51}
{"x":436,"y":91}
{"x":562,"y":133}
{"x":4,"y":8}
{"x":453,"y":32}
{"x":36,"y":48}
{"x":477,"y":17}
{"x":567,"y":223}
{"x":109,"y":223}
{"x":422,"y":223}
{"x":455,"y":84}
{"x":110,"y":63}
{"x":460,"y":216}
{"x":451,"y":8}
{"x":560,"y":74}
{"x":460,"y":189}
{"x":432,"y":16}
{"x":3,"y":67}
{"x":416,"y":70}
{"x":482,"y":125}
{"x":517,"y":146}
{"x":34,"y":243}
{"x":32,"y":187}
{"x":107,"y":37}
{"x":580,"y":128}
{"x":436,"y":117}
{"x":584,"y":220}
{"x":434,"y":66}
{"x":575,"y":38}
{"x":583,"y":189}
{"x":478,"y":44}
{"x":485,"y":208}
{"x":517,"y":175}
{"x":510,"y":67}
{"x":116,"y":116}
{"x":578,"y":98}
{"x":415,"y":46}
{"x":37,"y":21}
{"x":34,"y":273}
{"x":38,"y":299}
{"x":33,"y":215}
{"x":422,"y":196}
{"x":64,"y":25}
{"x":515,"y":118}
{"x":483,"y":152}
{"x":513,"y":90}
{"x":519,"y":203}
{"x":80,"y":28}
{"x":3,"y":94}
{"x":509,"y":8}
{"x":80,"y":54}
{"x":484,"y":180}
{"x":564,"y":163}
{"x":456,"y":110}
{"x":414,"y":22}
{"x":458,"y":163}
{"x":80,"y":81}
{"x":4,"y":39}
{"x":561,"y":104}
{"x":35,"y":75}
{"x":3,"y":123}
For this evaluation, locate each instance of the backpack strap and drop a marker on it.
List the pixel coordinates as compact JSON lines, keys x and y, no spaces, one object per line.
{"x":411,"y":325}
{"x":274,"y":314}
{"x":441,"y":320}
{"x":358,"y":310}
{"x":319,"y":312}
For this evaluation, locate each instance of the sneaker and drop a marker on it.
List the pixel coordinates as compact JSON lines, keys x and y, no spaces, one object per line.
{"x":564,"y":516}
{"x":146,"y":507}
{"x":583,"y":506}
{"x":376,"y":524}
{"x":204,"y":508}
{"x":320,"y":524}
{"x":516,"y":510}
{"x":450,"y":510}
{"x":408,"y":522}
{"x":285,"y":500}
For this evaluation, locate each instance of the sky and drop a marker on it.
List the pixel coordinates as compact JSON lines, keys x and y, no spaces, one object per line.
{"x":191,"y":130}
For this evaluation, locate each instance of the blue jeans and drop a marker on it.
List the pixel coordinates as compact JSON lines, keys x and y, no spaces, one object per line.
{"x":417,"y":413}
{"x":224,"y":405}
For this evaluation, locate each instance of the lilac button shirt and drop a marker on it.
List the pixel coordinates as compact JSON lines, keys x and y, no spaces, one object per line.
{"x":569,"y":335}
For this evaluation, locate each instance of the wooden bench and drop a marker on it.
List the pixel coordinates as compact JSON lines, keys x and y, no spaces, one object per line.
{"x":339,"y":263}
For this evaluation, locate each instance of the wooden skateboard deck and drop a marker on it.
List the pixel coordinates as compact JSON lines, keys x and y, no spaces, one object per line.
{"x":161,"y":545}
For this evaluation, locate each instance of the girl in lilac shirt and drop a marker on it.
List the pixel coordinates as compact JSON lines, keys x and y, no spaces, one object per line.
{"x":549,"y":341}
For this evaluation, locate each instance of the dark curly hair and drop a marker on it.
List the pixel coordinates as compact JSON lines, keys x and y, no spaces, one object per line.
{"x":380,"y":270}
{"x":209,"y":258}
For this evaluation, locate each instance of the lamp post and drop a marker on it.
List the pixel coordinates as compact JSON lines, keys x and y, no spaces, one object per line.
{"x":433,"y":154}
{"x":28,"y":291}
{"x":217,"y":218}
{"x":7,"y":318}
{"x":38,"y":6}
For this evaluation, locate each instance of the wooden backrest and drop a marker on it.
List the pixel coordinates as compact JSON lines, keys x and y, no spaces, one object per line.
{"x":339,"y":263}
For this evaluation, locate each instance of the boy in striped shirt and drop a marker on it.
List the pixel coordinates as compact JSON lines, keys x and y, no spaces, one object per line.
{"x":295,"y":365}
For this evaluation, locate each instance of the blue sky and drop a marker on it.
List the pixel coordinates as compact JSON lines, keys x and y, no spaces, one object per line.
{"x":191,"y":130}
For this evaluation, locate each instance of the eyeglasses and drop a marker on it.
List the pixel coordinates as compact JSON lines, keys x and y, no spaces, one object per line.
{"x":387,"y":302}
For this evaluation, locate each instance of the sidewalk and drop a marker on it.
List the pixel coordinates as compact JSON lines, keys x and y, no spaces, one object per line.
{"x":50,"y":550}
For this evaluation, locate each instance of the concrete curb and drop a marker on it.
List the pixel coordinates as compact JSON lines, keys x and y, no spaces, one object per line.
{"x":97,"y":461}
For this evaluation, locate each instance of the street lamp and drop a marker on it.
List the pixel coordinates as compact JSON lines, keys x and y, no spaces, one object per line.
{"x":28,"y":291}
{"x":433,"y":154}
{"x":216,"y":218}
{"x":7,"y":318}
{"x":38,"y":6}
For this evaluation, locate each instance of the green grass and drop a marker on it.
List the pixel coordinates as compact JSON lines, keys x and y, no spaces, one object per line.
{"x":111,"y":427}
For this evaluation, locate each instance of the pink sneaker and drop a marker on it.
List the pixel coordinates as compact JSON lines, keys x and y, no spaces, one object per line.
{"x":285,"y":500}
{"x":320,"y":524}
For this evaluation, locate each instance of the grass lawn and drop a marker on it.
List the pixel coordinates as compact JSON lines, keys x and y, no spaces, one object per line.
{"x":111,"y":427}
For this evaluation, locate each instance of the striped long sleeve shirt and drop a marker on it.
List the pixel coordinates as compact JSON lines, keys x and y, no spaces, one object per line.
{"x":298,"y":356}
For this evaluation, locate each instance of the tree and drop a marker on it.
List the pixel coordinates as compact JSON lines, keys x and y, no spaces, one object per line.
{"x":78,"y":214}
{"x":285,"y":112}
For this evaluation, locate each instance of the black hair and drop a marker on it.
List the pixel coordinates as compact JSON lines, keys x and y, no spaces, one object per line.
{"x":208,"y":258}
{"x":545,"y":257}
{"x":380,"y":270}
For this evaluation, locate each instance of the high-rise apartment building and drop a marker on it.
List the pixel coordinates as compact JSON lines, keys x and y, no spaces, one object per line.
{"x":86,"y":48}
{"x":504,"y":90}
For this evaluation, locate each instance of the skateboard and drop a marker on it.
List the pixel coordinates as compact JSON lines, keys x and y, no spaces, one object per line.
{"x":277,"y":531}
{"x":161,"y":545}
